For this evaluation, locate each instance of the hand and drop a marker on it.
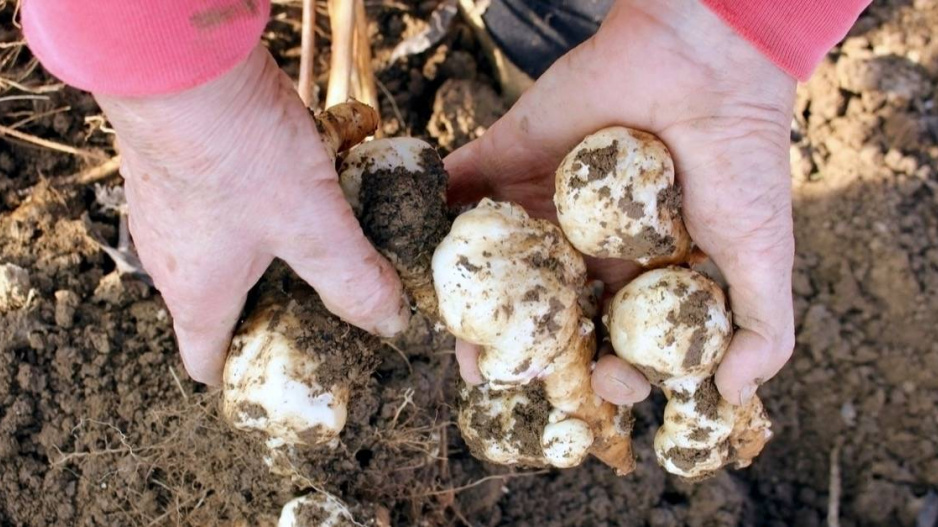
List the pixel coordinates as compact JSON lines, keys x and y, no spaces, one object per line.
{"x":222,"y":178}
{"x":673,"y":68}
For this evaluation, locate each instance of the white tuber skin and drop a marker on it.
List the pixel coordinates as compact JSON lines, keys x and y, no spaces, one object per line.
{"x":616,"y":198}
{"x":566,"y":442}
{"x":512,"y":285}
{"x":271,"y":385}
{"x":316,"y":510}
{"x":14,"y":287}
{"x":672,"y":324}
{"x":386,"y":154}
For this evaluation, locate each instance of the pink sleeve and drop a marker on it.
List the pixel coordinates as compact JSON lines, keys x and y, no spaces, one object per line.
{"x":141,"y":47}
{"x":795,"y":34}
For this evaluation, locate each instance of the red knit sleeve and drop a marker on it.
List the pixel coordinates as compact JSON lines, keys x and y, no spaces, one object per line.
{"x":137,"y":47}
{"x":795,"y":34}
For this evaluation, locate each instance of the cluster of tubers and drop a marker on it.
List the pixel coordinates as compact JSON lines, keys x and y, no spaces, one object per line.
{"x":513,"y":285}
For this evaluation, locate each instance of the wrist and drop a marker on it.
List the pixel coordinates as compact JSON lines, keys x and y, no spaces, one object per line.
{"x":690,"y":31}
{"x":200,"y":130}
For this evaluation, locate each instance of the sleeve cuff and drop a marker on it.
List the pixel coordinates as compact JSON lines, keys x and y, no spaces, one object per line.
{"x":134,"y":48}
{"x":794,"y":34}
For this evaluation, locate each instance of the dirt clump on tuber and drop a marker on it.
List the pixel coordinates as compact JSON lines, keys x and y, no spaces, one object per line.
{"x":397,"y":188}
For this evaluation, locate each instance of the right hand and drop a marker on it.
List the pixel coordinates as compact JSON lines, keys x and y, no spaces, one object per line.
{"x":673,"y":68}
{"x":222,"y":178}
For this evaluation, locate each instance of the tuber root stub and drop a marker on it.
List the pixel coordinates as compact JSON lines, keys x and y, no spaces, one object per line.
{"x":616,"y":198}
{"x":673,"y":325}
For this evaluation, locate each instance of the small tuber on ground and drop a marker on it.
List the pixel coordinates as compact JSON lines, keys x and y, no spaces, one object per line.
{"x":316,"y":510}
{"x":14,"y":287}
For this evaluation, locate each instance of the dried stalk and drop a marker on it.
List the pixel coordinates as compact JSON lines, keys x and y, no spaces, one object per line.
{"x":363,"y":77}
{"x":342,"y":20}
{"x":306,"y":85}
{"x":51,"y":145}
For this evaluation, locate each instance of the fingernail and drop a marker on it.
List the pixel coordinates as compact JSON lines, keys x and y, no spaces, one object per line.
{"x":623,"y":383}
{"x":395,"y":324}
{"x":746,"y":393}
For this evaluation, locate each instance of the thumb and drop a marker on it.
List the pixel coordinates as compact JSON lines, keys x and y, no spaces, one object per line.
{"x":761,"y":299}
{"x":354,"y":282}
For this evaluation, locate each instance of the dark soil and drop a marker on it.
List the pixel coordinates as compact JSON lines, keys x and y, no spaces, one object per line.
{"x":99,"y":424}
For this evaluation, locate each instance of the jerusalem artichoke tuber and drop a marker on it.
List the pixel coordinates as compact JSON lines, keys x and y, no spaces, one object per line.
{"x":397,"y":187}
{"x":292,"y":364}
{"x":511,"y":284}
{"x":672,"y":324}
{"x":616,"y":198}
{"x":316,"y":510}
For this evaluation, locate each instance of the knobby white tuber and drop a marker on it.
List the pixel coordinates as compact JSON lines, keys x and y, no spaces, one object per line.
{"x":292,"y":364}
{"x":616,"y":198}
{"x":673,"y":325}
{"x":316,"y":510}
{"x":511,"y":284}
{"x":398,"y":189}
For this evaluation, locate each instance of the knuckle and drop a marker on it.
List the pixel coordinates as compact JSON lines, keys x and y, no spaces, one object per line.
{"x":376,"y":294}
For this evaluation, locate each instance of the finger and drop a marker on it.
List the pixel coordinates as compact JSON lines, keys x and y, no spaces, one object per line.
{"x":618,"y":382}
{"x":761,"y":300}
{"x":467,"y":356}
{"x":326,"y":247}
{"x":205,"y":300}
{"x":614,"y":273}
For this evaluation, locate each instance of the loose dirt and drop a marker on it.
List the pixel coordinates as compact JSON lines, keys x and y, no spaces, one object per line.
{"x":99,"y":424}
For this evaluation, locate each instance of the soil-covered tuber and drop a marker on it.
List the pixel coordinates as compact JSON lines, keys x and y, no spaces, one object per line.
{"x":14,"y":287}
{"x":397,"y":188}
{"x":511,"y":284}
{"x":616,"y":198}
{"x":316,"y":510}
{"x":292,"y":365}
{"x":673,"y":325}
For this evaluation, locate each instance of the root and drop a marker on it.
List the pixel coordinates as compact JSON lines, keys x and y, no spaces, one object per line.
{"x":345,"y":125}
